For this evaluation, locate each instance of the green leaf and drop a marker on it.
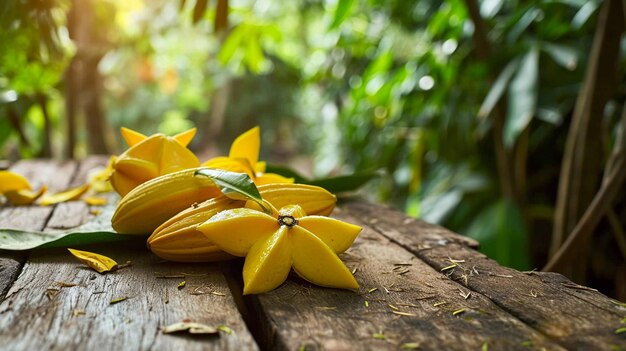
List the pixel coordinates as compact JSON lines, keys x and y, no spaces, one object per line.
{"x":337,"y":184}
{"x":502,"y":235}
{"x":287,"y":172}
{"x":235,"y":185}
{"x":97,"y":230}
{"x":498,"y":88}
{"x":585,"y":12}
{"x":566,"y":57}
{"x":522,"y":25}
{"x":253,"y":54}
{"x":522,"y":97}
{"x":344,"y":183}
{"x":341,"y":13}
{"x":233,"y":41}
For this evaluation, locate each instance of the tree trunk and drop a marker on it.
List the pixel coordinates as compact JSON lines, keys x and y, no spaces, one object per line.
{"x":582,"y":161}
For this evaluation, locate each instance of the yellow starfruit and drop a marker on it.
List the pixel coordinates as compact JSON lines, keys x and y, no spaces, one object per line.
{"x":273,"y":244}
{"x":150,"y":157}
{"x":244,"y":158}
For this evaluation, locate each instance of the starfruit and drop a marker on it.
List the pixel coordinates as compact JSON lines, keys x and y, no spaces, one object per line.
{"x":150,"y":157}
{"x":178,"y":239}
{"x":244,"y":158}
{"x":17,"y":189}
{"x":152,"y":203}
{"x":273,"y":244}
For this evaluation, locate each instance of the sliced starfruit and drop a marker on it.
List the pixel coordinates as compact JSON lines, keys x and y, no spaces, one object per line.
{"x":272,"y":245}
{"x":178,"y":239}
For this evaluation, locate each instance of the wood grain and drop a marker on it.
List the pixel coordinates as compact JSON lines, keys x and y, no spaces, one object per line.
{"x":421,"y":286}
{"x":58,"y":303}
{"x":576,"y":317}
{"x":56,"y":175}
{"x":402,"y":302}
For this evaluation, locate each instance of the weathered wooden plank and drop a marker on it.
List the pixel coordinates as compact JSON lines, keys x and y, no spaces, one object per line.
{"x":434,"y":233}
{"x":56,"y":176}
{"x":402,"y":302}
{"x":576,"y":317}
{"x":74,"y":213}
{"x":45,"y":310}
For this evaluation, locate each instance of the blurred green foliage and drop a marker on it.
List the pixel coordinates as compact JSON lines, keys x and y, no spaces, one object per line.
{"x":359,"y":85}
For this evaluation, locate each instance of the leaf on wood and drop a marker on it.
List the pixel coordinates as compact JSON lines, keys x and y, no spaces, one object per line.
{"x":191,"y":327}
{"x":98,"y":262}
{"x":96,"y":230}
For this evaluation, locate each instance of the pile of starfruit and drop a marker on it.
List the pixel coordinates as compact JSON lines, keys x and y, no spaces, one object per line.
{"x":229,"y":207}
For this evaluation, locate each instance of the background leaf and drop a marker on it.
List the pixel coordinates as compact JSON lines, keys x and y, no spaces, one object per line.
{"x":341,"y":12}
{"x":522,"y":97}
{"x":337,"y":184}
{"x":498,"y":88}
{"x":502,"y":234}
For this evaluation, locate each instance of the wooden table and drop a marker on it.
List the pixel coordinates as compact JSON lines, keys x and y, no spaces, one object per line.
{"x":422,"y":287}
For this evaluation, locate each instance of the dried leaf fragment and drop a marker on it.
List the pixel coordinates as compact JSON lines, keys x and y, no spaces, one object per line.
{"x":379,"y":336}
{"x":76,"y":313}
{"x":95,"y":201}
{"x":98,"y":262}
{"x":225,"y":329}
{"x":63,"y":196}
{"x":118,"y":299}
{"x":191,"y":327}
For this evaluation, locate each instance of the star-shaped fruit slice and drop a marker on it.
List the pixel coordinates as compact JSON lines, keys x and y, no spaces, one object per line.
{"x":244,"y":158}
{"x":273,"y":244}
